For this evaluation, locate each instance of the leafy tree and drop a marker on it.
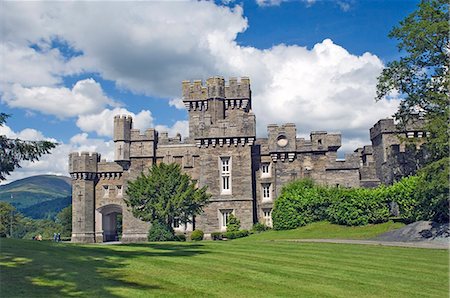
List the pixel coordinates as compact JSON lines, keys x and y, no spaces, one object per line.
{"x":12,"y":152}
{"x":64,"y":218}
{"x":165,"y":194}
{"x":421,"y":76}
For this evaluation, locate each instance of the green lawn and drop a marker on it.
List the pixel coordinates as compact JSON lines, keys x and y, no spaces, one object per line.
{"x":321,"y":230}
{"x":251,"y":267}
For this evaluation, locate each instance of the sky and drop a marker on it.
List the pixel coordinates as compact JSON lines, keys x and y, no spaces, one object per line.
{"x":66,"y":68}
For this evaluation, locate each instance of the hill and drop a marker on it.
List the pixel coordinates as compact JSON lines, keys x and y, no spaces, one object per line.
{"x":33,"y":190}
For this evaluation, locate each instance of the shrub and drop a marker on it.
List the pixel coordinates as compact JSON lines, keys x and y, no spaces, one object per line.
{"x":236,"y":234}
{"x":160,"y":232}
{"x":259,"y":227}
{"x":403,"y":193}
{"x":233,"y":223}
{"x":300,"y":202}
{"x":197,"y":235}
{"x":359,"y":206}
{"x":216,"y":236}
{"x":180,"y":237}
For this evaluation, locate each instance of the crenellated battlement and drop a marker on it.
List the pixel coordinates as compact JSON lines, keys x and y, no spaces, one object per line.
{"x":122,"y":127}
{"x":148,"y":135}
{"x":215,"y":87}
{"x":84,"y":162}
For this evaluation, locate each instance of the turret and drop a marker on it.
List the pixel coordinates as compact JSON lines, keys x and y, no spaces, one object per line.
{"x":122,"y":137}
{"x":83,"y":170}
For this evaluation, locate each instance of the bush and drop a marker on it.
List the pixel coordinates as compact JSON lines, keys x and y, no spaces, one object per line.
{"x":300,"y":203}
{"x":180,"y":237}
{"x":197,"y":235}
{"x":359,"y":206}
{"x":233,"y":223}
{"x":403,"y":193}
{"x":217,"y":236}
{"x":236,"y":234}
{"x":160,"y":232}
{"x":259,"y":227}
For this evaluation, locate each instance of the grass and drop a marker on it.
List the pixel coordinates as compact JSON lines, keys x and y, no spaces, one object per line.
{"x":249,"y":267}
{"x":322,"y":230}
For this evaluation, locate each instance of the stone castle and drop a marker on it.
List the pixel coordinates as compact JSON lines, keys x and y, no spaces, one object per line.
{"x":243,"y":173}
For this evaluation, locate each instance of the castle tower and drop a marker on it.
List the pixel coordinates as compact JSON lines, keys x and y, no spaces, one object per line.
{"x":122,"y":138}
{"x":83,"y":170}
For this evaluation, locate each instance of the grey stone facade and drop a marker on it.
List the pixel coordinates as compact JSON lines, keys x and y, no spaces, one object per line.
{"x":244,"y":174}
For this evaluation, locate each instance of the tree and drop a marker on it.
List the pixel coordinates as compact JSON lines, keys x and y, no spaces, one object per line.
{"x":64,"y":218}
{"x":9,"y":219}
{"x":165,"y":194}
{"x":421,"y":76}
{"x":12,"y":152}
{"x":233,"y":224}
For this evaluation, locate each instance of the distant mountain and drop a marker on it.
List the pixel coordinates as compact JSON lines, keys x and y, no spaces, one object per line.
{"x":33,"y":190}
{"x":47,"y":209}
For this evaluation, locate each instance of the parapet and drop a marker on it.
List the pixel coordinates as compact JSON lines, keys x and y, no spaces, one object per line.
{"x":148,"y":135}
{"x":383,"y":126}
{"x":321,"y":140}
{"x":215,"y":87}
{"x":84,"y":162}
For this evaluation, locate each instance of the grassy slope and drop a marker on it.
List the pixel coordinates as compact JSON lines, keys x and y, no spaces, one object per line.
{"x":240,"y":268}
{"x":320,"y":230}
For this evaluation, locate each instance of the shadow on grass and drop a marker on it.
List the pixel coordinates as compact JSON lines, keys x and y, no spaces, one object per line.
{"x":40,"y":269}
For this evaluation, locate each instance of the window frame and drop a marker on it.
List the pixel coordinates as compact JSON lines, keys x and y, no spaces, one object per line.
{"x":225,"y":176}
{"x":266,"y":192}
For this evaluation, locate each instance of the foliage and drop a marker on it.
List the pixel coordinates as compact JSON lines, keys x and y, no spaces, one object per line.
{"x":64,"y":218}
{"x":421,"y":76}
{"x":197,"y":235}
{"x":236,"y":234}
{"x":47,"y":209}
{"x":217,"y":236}
{"x":160,"y":232}
{"x":403,"y":193}
{"x":433,"y":192}
{"x":233,"y":224}
{"x":300,"y":202}
{"x":259,"y":227}
{"x":9,"y":219}
{"x":12,"y":152}
{"x":165,"y":194}
{"x":359,"y":206}
{"x":180,"y":237}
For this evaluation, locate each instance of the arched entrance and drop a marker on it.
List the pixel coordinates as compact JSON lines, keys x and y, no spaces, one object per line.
{"x":111,"y":222}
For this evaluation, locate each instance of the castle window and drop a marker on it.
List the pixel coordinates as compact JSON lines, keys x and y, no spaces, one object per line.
{"x":266,"y":192}
{"x":265,"y":170}
{"x":267,"y":216}
{"x":319,"y":142}
{"x":105,"y":191}
{"x":225,"y":175}
{"x":223,"y":220}
{"x":119,"y":190}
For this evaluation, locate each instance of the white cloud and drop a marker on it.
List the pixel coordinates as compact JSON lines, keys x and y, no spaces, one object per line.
{"x":278,"y":2}
{"x":177,"y":103}
{"x":55,"y":163}
{"x":181,"y":127}
{"x":102,"y":123}
{"x":151,"y":47}
{"x":86,"y":96}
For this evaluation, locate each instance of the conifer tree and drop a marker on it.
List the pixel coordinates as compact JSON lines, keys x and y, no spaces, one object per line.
{"x":165,"y":194}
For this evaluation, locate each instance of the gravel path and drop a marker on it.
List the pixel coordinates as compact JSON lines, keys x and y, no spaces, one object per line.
{"x":422,"y":244}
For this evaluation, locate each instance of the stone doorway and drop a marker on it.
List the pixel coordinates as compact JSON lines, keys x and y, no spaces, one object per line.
{"x":111,"y":222}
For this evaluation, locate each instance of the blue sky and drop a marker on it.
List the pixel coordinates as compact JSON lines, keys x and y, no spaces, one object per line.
{"x":67,"y":68}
